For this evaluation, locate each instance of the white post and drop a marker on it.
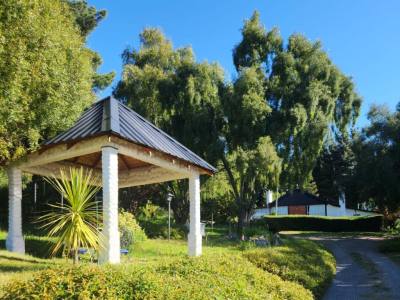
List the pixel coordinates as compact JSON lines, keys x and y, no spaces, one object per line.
{"x":15,"y":241}
{"x":110,"y":248}
{"x":194,"y":238}
{"x":342,"y":203}
{"x":269,"y":200}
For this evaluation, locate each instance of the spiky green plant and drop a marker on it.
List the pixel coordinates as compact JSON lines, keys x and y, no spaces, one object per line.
{"x":74,"y":224}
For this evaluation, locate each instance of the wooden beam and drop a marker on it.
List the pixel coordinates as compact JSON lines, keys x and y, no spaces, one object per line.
{"x":154,"y":157}
{"x":133,"y":177}
{"x":147,"y":175}
{"x":53,"y":170}
{"x":124,"y":161}
{"x":62,"y":152}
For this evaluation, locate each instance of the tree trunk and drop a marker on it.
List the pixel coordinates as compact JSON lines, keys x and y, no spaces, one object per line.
{"x":76,"y":257}
{"x":241,"y":223}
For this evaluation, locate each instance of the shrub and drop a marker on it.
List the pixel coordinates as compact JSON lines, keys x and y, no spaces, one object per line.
{"x":130,"y":231}
{"x":395,"y":229}
{"x":154,"y":220}
{"x":315,"y":223}
{"x":301,"y":261}
{"x":207,"y":277}
{"x":252,"y":231}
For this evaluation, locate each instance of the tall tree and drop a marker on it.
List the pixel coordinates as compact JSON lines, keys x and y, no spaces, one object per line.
{"x":306,"y":93}
{"x":377,"y":150}
{"x":45,"y":73}
{"x":250,"y":159}
{"x":335,"y":169}
{"x":87,"y":19}
{"x":181,"y":96}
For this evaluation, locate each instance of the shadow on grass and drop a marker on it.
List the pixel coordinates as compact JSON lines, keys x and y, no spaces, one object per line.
{"x":36,"y":246}
{"x":13,"y":258}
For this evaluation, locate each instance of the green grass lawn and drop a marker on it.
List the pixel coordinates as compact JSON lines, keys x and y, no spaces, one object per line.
{"x":286,"y":263}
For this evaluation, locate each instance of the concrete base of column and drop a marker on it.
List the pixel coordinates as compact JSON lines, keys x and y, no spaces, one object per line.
{"x":195,"y":244}
{"x":15,"y":244}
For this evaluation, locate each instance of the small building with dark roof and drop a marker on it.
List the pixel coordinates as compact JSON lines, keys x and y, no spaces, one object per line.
{"x":299,"y":202}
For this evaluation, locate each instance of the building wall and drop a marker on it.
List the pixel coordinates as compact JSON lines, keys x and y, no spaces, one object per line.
{"x":317,"y":210}
{"x":282,"y":210}
{"x":314,"y":210}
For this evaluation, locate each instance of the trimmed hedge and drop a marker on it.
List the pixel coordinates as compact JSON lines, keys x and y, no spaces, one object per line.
{"x":207,"y":277}
{"x":301,"y":261}
{"x":316,"y":223}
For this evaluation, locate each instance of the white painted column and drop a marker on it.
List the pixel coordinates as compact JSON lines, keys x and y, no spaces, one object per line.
{"x":342,"y":203}
{"x":15,"y":240}
{"x":110,"y":248}
{"x":194,"y":238}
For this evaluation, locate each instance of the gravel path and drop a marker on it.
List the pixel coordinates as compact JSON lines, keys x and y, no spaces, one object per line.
{"x":361,"y":272}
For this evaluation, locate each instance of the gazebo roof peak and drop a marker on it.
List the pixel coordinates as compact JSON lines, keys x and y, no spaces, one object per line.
{"x":110,"y":116}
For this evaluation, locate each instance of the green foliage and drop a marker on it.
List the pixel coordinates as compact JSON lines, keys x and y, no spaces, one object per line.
{"x":395,"y":229}
{"x":304,"y":92}
{"x":257,"y":46}
{"x":377,"y":151}
{"x":327,"y":224}
{"x":168,"y":87}
{"x":299,"y":261}
{"x":279,"y":110}
{"x":16,"y":266}
{"x":335,"y":169}
{"x":88,"y":18}
{"x":130,"y":231}
{"x":45,"y":68}
{"x":308,"y":94}
{"x":255,"y":231}
{"x":74,"y":224}
{"x":154,"y":221}
{"x":219,"y":276}
{"x":217,"y":198}
{"x":161,"y":269}
{"x":249,"y":171}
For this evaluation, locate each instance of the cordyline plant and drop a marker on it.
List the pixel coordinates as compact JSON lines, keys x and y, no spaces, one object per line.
{"x":74,"y":224}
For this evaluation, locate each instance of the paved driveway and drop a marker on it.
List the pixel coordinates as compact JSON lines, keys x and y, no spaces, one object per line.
{"x":361,"y":272}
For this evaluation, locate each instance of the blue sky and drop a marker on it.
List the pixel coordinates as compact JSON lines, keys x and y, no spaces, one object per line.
{"x":362,"y":37}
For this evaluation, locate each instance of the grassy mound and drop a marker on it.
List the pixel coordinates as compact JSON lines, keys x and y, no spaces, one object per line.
{"x":301,"y":261}
{"x":207,"y":277}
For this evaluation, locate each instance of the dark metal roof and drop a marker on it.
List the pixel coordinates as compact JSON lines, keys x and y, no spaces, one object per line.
{"x":298,"y":197}
{"x":111,"y":116}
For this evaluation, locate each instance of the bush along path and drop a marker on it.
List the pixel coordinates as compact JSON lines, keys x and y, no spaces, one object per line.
{"x":301,"y":261}
{"x":362,"y":271}
{"x":158,"y":269}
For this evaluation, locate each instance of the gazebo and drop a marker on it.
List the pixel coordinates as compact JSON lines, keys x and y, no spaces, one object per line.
{"x":123,"y":149}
